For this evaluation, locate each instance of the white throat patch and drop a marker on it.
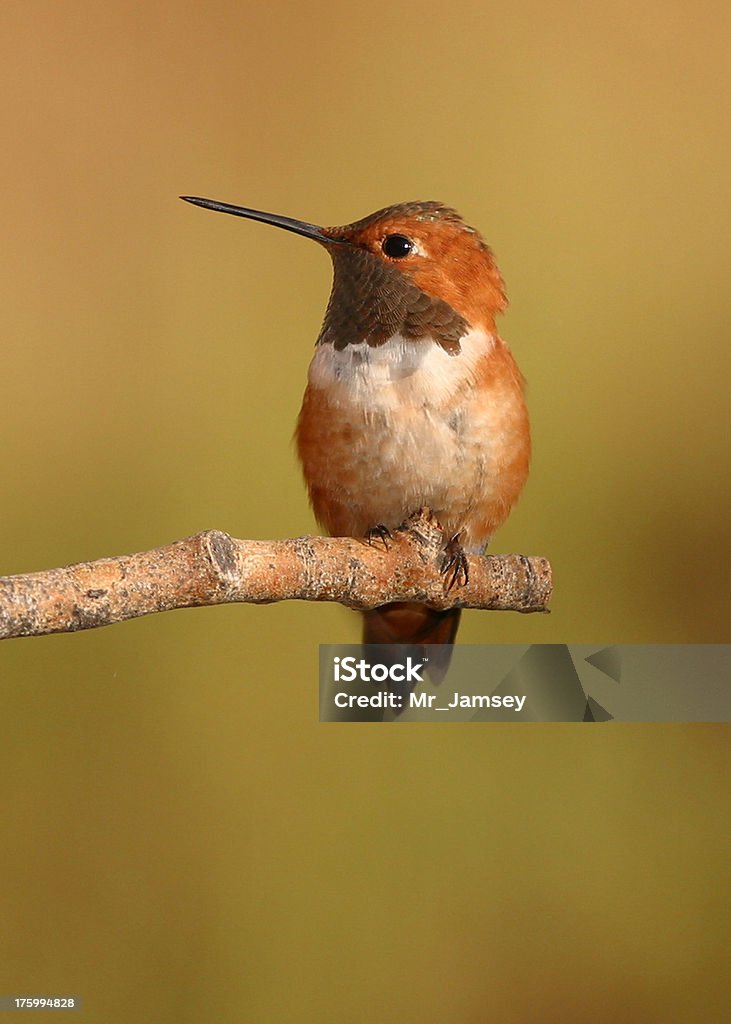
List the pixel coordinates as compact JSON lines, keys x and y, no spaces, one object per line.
{"x":399,"y":372}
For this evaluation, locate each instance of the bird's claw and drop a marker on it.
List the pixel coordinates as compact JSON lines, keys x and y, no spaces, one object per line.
{"x":455,"y":564}
{"x":379,"y":532}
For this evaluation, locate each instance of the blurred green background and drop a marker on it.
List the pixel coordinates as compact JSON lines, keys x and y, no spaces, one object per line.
{"x":182,"y":840}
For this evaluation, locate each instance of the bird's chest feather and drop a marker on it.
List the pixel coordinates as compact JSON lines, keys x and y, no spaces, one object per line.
{"x":404,"y":404}
{"x":387,"y":429}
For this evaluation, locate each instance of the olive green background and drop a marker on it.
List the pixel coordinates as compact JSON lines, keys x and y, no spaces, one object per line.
{"x":181,"y":839}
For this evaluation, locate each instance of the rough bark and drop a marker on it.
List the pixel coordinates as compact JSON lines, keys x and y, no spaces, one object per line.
{"x":215,"y":568}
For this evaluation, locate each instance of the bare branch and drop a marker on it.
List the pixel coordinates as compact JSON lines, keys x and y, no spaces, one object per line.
{"x":214,"y":568}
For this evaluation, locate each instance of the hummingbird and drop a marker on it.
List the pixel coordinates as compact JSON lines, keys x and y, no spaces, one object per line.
{"x":413,"y":400}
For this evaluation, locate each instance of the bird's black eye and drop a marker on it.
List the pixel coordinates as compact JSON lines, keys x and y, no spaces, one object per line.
{"x":397,"y":246}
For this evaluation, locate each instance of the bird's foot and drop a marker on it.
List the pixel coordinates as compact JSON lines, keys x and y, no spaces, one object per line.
{"x":379,"y":532}
{"x":454,"y":564}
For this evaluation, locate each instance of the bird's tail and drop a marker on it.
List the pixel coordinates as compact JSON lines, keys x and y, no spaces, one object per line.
{"x":405,"y":622}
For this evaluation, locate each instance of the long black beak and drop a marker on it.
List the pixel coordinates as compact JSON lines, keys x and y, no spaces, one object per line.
{"x":299,"y":227}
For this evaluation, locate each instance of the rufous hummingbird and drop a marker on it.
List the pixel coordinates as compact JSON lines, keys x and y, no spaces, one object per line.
{"x":413,"y":399}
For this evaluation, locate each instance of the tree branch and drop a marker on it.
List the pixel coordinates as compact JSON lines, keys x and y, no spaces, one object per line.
{"x":214,"y":568}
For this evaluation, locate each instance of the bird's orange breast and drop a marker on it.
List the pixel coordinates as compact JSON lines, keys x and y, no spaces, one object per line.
{"x":385,"y":430}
